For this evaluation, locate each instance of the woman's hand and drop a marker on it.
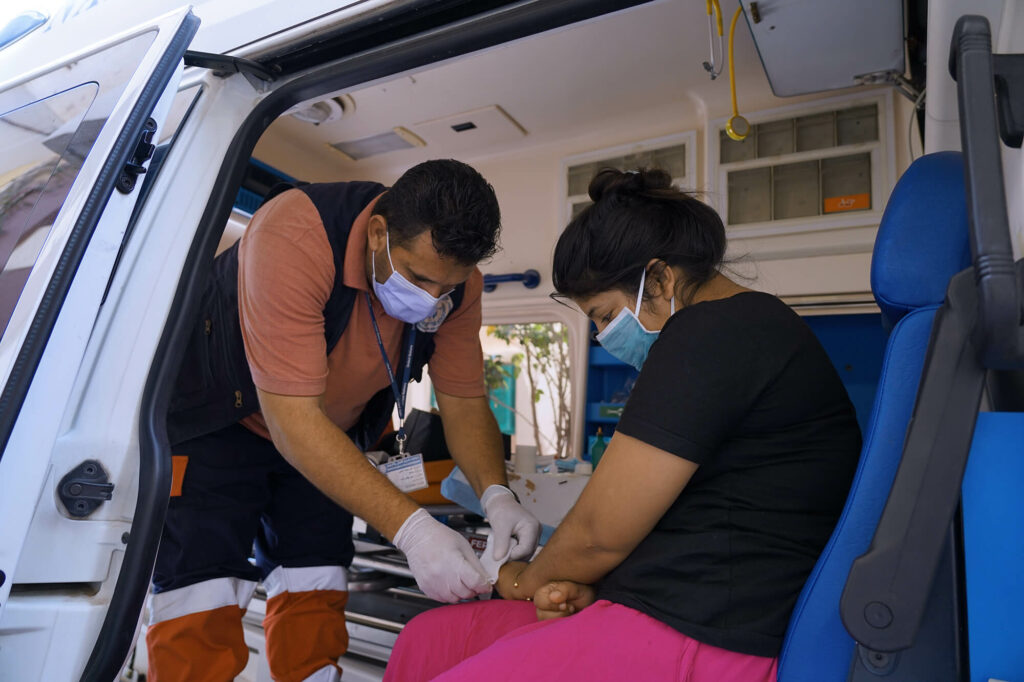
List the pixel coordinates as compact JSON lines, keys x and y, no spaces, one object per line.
{"x":560,"y":598}
{"x":507,"y":575}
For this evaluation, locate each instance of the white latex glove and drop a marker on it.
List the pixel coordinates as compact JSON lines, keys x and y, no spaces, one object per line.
{"x":509,"y":519}
{"x":441,"y":560}
{"x":492,"y":564}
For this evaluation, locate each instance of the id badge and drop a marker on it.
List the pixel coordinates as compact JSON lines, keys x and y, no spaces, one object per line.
{"x":406,"y":472}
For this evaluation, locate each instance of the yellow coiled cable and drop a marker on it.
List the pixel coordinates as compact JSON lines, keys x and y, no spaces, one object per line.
{"x":737,"y":127}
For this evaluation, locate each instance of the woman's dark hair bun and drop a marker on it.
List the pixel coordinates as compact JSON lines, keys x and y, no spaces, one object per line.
{"x":637,"y":216}
{"x":611,"y":181}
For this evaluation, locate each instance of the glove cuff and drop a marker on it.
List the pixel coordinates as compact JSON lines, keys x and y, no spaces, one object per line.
{"x":408,"y":530}
{"x":494,"y":492}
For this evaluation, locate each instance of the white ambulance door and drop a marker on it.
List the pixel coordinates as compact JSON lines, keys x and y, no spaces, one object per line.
{"x":79,"y":111}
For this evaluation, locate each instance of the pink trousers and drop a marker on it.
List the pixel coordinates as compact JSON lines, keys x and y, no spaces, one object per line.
{"x":502,"y":640}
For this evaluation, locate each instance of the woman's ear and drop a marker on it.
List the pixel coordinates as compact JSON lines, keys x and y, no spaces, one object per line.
{"x":661,"y":280}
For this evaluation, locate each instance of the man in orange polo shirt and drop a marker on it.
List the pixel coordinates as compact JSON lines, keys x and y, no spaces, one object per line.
{"x":343,"y":291}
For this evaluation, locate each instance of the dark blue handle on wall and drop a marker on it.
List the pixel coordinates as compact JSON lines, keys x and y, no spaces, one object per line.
{"x":530,"y":279}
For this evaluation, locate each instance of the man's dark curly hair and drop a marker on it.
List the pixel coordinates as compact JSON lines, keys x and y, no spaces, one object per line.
{"x":450,"y":199}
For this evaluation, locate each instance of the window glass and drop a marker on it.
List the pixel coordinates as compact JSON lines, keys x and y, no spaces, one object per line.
{"x":816,"y":132}
{"x":733,"y":150}
{"x":527,"y":373}
{"x":670,"y":159}
{"x":846,"y":183}
{"x":37,"y":174}
{"x":750,"y":195}
{"x":857,"y":125}
{"x":774,"y":138}
{"x":47,"y":128}
{"x":854,"y":126}
{"x":795,"y":191}
{"x":526,"y":369}
{"x":578,"y":206}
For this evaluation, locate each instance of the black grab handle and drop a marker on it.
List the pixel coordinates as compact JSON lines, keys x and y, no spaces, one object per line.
{"x":1000,"y":333}
{"x":887,"y":590}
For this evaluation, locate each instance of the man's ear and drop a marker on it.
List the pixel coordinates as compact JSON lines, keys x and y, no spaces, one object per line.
{"x":377,"y":232}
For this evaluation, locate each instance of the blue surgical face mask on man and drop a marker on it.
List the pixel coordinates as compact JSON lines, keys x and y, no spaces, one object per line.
{"x":625,"y":337}
{"x":402,"y":299}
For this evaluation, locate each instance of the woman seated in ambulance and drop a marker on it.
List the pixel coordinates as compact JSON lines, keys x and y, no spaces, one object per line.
{"x":686,"y":552}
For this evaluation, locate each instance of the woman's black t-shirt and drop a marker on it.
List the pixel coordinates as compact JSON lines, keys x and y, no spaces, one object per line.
{"x":742,"y":387}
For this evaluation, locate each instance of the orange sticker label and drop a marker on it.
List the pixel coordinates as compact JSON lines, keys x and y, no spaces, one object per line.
{"x":851,"y":202}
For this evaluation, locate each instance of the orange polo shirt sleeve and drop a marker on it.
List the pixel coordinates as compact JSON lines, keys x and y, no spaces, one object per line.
{"x":286,"y":274}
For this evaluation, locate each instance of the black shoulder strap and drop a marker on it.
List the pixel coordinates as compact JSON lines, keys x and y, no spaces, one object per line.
{"x":281,"y":188}
{"x":339,"y":204}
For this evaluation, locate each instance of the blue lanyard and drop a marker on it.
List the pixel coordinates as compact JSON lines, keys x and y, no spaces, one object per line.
{"x":399,"y":392}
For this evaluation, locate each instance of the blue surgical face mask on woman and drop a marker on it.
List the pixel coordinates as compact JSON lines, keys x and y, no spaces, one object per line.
{"x":625,"y":337}
{"x":402,"y":299}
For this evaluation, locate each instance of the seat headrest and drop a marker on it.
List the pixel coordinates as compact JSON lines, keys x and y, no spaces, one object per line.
{"x":923,"y":238}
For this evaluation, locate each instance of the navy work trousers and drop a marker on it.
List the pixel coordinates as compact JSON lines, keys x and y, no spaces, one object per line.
{"x":243,"y":511}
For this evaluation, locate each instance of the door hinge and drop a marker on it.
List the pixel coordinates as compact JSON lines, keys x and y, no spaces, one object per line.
{"x":222,"y":66}
{"x":85,"y":488}
{"x":143,"y":153}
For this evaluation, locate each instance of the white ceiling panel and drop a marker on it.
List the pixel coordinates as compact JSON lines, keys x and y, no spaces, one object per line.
{"x":636,"y":64}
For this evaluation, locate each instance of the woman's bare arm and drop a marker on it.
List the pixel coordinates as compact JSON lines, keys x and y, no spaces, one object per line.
{"x":633,"y":488}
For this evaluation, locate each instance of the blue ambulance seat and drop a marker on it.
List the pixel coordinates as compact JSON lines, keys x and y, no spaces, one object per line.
{"x":922,"y":241}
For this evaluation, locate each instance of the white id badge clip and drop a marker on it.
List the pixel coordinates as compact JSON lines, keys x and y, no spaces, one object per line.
{"x":406,"y":472}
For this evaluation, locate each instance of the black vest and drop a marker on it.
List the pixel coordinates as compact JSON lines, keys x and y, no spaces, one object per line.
{"x":214,"y":388}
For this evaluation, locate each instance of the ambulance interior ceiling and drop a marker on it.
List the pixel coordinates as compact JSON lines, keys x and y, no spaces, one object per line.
{"x":616,"y":80}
